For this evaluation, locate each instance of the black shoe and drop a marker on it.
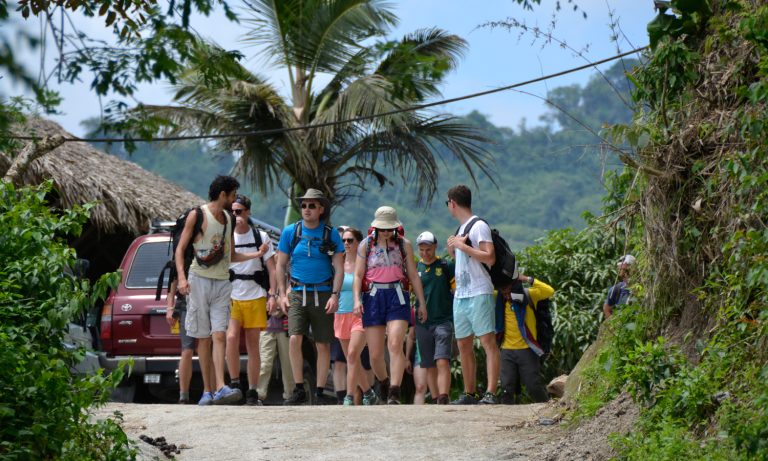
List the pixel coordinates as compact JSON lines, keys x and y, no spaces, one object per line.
{"x":465,"y":399}
{"x":392,"y":400}
{"x":299,"y":397}
{"x":183,"y":401}
{"x":323,"y":399}
{"x":252,"y":397}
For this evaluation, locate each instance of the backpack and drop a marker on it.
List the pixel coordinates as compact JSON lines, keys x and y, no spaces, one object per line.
{"x":325,"y":247}
{"x":545,"y":332}
{"x":260,"y":277}
{"x":189,"y":252}
{"x":399,"y":236}
{"x":504,"y":270}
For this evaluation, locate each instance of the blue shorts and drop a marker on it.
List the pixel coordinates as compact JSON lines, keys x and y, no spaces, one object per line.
{"x":384,"y":307}
{"x":474,"y":316}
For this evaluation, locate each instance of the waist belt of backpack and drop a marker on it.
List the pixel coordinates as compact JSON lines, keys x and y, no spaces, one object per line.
{"x":397,"y":286}
{"x":313,"y":286}
{"x":257,"y":276}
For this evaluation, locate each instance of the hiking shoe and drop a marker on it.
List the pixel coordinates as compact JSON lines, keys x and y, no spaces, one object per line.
{"x":465,"y":399}
{"x":206,"y":399}
{"x":348,"y":401}
{"x":227,"y":396}
{"x":252,"y":397}
{"x":443,"y":399}
{"x":183,"y":401}
{"x":323,"y":399}
{"x":370,"y":398}
{"x":489,"y":399}
{"x":299,"y":397}
{"x":392,"y":400}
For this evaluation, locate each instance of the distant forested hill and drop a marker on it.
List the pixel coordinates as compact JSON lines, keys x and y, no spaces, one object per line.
{"x":547,"y":175}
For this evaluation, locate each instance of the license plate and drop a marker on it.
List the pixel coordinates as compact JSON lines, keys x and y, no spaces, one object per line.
{"x":152,"y":378}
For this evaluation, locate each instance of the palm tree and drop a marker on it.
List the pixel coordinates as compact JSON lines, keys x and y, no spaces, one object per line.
{"x":322,"y":38}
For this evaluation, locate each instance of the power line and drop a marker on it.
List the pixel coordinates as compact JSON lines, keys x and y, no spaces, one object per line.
{"x":351,"y":120}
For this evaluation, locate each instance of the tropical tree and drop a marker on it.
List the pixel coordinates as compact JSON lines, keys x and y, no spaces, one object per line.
{"x":340,"y":42}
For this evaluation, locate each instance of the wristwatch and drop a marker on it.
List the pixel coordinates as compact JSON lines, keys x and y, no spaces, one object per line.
{"x":335,"y":293}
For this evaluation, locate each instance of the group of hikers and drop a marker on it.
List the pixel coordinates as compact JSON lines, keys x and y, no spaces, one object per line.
{"x":362,"y":296}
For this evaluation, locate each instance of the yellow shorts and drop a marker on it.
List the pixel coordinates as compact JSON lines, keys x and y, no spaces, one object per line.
{"x":251,"y":313}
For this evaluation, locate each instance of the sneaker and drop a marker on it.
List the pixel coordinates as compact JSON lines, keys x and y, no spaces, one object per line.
{"x":206,"y":399}
{"x":323,"y":399}
{"x":183,"y":401}
{"x":370,"y":398}
{"x":349,"y":401}
{"x":443,"y":399}
{"x":392,"y":400}
{"x":489,"y":399}
{"x":299,"y":397}
{"x":465,"y":399}
{"x":252,"y":397}
{"x":227,"y":396}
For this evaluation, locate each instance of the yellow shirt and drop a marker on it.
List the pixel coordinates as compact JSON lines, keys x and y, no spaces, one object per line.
{"x":512,"y":338}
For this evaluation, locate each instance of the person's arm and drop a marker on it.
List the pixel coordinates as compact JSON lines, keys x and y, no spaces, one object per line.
{"x":170,"y":304}
{"x":418,"y":288}
{"x":338,"y":279}
{"x":539,"y":290}
{"x":184,"y":241}
{"x":282,"y":294}
{"x":271,"y":297}
{"x":360,"y":268}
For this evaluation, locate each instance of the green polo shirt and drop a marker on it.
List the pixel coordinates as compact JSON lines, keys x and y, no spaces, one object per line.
{"x":436,"y":279}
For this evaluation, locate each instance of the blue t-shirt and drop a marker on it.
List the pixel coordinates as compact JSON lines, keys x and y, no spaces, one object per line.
{"x":308,"y":264}
{"x":618,"y":294}
{"x":346,"y":300}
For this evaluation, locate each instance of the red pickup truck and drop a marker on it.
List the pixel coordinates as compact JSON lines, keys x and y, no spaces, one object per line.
{"x":133,"y":324}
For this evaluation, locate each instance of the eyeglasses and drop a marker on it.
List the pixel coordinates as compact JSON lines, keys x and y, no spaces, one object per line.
{"x":311,"y":206}
{"x":348,"y":240}
{"x":238,"y":211}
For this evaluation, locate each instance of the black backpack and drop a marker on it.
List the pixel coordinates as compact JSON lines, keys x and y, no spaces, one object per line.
{"x":260,"y":277}
{"x":504,"y":271}
{"x":326,"y":247}
{"x":189,"y":253}
{"x":545,"y":331}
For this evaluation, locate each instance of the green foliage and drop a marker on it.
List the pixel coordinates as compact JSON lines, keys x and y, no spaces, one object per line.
{"x":44,"y":408}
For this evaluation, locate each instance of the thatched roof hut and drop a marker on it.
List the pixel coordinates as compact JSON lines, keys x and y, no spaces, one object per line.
{"x":129,"y":196}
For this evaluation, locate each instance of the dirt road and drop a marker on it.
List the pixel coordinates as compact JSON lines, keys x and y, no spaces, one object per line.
{"x":336,"y":432}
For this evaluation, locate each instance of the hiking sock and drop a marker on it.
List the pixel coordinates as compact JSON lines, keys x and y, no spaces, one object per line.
{"x":300,"y":386}
{"x":341,"y":394}
{"x":234,"y":383}
{"x":183,"y":395}
{"x":320,"y":391}
{"x":394,"y":391}
{"x":253,"y":386}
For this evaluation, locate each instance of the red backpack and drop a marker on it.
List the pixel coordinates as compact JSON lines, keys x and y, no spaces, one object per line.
{"x":399,"y":235}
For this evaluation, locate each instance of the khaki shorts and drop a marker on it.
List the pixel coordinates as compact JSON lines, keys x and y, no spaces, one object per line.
{"x":301,"y":318}
{"x":251,"y":313}
{"x":207,"y":306}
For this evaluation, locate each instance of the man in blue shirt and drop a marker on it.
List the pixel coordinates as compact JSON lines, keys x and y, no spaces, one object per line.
{"x":619,"y":294}
{"x":316,"y":256}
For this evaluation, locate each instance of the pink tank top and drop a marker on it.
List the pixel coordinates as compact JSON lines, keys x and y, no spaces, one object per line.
{"x":384,"y":266}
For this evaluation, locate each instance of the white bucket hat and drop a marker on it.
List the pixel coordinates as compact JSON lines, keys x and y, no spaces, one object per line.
{"x":385,"y":218}
{"x":629,"y":260}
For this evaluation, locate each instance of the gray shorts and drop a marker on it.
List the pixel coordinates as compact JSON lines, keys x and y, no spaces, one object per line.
{"x":434,"y":343}
{"x":207,"y":306}
{"x":187,"y":342}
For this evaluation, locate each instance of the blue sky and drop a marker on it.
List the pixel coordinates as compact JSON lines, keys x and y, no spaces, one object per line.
{"x":495,"y":57}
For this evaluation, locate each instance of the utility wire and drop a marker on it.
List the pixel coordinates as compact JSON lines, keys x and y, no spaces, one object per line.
{"x":342,"y":122}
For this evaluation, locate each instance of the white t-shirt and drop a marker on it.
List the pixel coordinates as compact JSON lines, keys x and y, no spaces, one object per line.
{"x":471,"y":277}
{"x":245,"y":290}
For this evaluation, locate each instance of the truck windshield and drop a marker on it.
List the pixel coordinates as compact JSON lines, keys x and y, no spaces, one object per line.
{"x":150,"y":258}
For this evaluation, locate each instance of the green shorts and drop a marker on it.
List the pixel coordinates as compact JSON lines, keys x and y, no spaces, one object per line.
{"x":301,"y":318}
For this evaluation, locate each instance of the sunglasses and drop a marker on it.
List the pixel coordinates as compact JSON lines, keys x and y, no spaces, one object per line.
{"x":348,"y":240}
{"x":385,"y":230}
{"x":238,"y":211}
{"x":311,"y":206}
{"x":447,"y":203}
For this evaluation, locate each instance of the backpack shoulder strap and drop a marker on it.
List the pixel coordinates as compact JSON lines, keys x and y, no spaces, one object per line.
{"x":296,"y":235}
{"x":256,"y":237}
{"x":528,"y":299}
{"x":198,"y":223}
{"x":327,"y":237}
{"x":469,"y":226}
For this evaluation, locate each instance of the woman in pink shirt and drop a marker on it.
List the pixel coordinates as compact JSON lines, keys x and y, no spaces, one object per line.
{"x":385,"y":265}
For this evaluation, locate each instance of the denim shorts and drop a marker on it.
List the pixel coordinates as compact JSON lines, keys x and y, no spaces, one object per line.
{"x":382,"y":308}
{"x":474,"y":316}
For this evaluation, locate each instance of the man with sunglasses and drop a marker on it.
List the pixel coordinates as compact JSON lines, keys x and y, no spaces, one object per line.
{"x":315,"y":253}
{"x":250,"y":281}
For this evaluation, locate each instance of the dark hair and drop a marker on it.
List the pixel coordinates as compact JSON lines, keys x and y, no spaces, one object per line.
{"x":221,"y":184}
{"x":461,"y":196}
{"x":356,"y":232}
{"x":243,"y":200}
